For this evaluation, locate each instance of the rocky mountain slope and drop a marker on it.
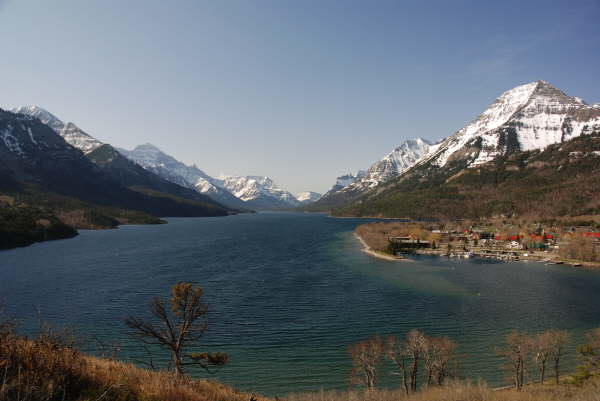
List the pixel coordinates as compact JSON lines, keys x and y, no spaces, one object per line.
{"x":348,"y":187}
{"x":307,"y":197}
{"x":241,"y":192}
{"x":35,"y":159}
{"x":153,"y":159}
{"x":135,"y":177}
{"x":74,"y":135}
{"x":258,"y":192}
{"x":527,"y":117}
{"x":535,"y":117}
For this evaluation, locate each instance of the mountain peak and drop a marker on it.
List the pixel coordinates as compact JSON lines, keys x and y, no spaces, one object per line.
{"x":147,"y":147}
{"x":41,"y":114}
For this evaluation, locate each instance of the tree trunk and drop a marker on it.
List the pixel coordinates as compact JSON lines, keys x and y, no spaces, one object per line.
{"x":543,"y":372}
{"x":413,"y":379}
{"x":556,"y":374}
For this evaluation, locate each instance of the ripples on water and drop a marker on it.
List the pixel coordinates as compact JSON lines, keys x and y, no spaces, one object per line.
{"x":288,"y":294}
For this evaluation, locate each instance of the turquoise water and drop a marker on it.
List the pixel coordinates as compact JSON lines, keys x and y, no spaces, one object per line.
{"x":288,"y":293}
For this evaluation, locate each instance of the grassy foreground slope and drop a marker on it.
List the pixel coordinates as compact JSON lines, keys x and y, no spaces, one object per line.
{"x":50,"y":368}
{"x":562,"y":180}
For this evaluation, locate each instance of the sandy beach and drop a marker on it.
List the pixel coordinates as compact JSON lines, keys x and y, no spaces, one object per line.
{"x":379,"y":255}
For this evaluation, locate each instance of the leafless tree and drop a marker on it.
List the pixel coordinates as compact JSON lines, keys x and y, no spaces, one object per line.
{"x":518,"y":348}
{"x":439,"y":351}
{"x":366,"y":357}
{"x":540,"y":351}
{"x":557,"y":341}
{"x":181,"y":325}
{"x":406,"y":356}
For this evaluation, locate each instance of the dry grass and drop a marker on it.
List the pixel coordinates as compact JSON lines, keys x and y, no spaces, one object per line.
{"x":458,"y":391}
{"x":49,"y":368}
{"x":376,"y":234}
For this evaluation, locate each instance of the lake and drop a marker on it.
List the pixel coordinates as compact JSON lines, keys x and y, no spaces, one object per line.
{"x":288,"y":293}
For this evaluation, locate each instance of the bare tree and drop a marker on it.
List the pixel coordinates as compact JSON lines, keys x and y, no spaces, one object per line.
{"x":518,"y":347}
{"x":366,"y":357}
{"x":395,"y":352}
{"x":406,"y":356}
{"x":557,"y":341}
{"x":416,"y":343}
{"x":541,"y":348}
{"x":181,"y":326}
{"x":439,"y":351}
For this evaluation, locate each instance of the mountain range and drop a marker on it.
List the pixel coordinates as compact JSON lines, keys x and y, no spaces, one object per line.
{"x":40,"y":170}
{"x":533,"y":143}
{"x":240,"y":192}
{"x":528,"y":118}
{"x":234,"y":192}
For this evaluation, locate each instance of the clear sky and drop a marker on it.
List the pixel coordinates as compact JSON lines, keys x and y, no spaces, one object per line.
{"x":300,"y":90}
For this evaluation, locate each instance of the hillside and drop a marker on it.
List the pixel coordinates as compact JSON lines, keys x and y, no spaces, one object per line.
{"x":170,"y":169}
{"x":480,"y":169}
{"x":135,"y":177}
{"x":561,"y":180}
{"x":33,"y":155}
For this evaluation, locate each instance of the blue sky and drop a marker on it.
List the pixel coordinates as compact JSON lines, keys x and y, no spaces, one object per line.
{"x":302,"y":90}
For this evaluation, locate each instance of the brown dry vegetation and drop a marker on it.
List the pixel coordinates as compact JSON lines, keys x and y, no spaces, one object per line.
{"x":581,"y":248}
{"x":459,"y":391}
{"x":376,"y":234}
{"x":50,"y":368}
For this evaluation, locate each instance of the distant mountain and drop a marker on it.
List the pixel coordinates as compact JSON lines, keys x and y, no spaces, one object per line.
{"x":153,"y":159}
{"x":502,"y":144}
{"x":70,"y":132}
{"x":133,"y":176}
{"x":393,"y":164}
{"x":33,"y":157}
{"x":240,"y":192}
{"x":349,"y":187}
{"x":344,"y":181}
{"x":305,"y":198}
{"x":258,"y":192}
{"x":527,"y":117}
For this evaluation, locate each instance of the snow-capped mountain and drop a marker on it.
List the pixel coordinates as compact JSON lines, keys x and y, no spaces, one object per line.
{"x":390,"y":166}
{"x":393,"y":164}
{"x":72,"y":134}
{"x":307,"y":197}
{"x":527,"y":117}
{"x":343,"y":181}
{"x":153,"y":159}
{"x":258,"y":191}
{"x":32,"y":153}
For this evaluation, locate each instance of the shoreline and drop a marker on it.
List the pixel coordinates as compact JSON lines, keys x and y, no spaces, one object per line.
{"x":376,"y":254}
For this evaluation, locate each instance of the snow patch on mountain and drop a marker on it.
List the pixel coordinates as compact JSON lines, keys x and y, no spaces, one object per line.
{"x":307,"y":197}
{"x":527,"y":117}
{"x":393,"y":164}
{"x":253,"y":188}
{"x":71,"y":133}
{"x":152,"y":158}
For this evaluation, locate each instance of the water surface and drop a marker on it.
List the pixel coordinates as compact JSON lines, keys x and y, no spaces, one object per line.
{"x":288,"y":293}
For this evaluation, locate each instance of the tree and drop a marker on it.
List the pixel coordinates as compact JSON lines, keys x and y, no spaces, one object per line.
{"x":366,"y":357}
{"x":518,"y":347}
{"x":557,"y":342}
{"x":180,"y":327}
{"x":541,"y":350}
{"x":406,"y":356}
{"x":439,"y":351}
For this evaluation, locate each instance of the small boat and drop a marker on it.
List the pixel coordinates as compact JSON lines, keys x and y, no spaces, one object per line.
{"x":576,"y":265}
